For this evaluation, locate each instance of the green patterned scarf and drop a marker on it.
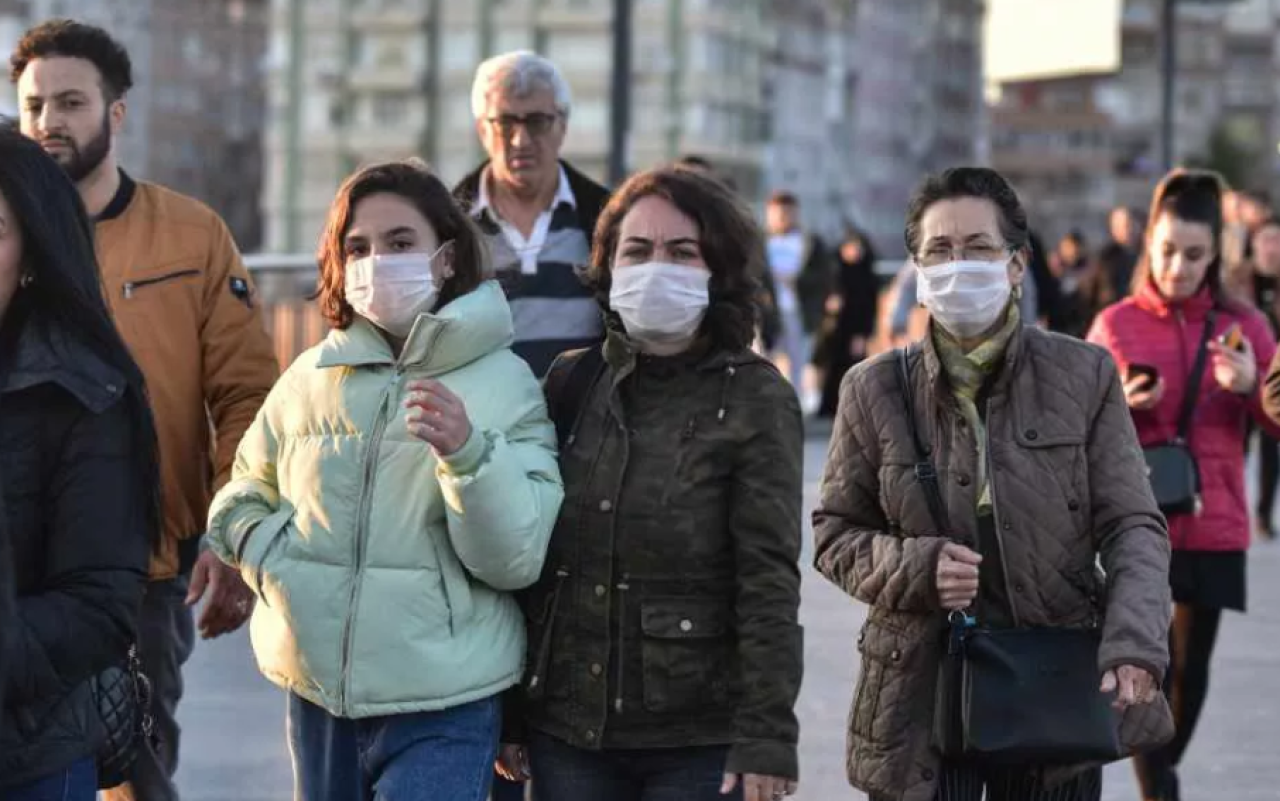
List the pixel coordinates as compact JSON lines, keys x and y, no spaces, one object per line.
{"x":967,"y":372}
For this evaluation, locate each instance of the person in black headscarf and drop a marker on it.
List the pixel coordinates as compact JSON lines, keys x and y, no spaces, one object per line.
{"x":850,"y":317}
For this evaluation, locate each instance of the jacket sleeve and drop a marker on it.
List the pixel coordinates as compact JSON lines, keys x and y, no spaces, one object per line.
{"x":253,"y":492}
{"x":1258,"y":332}
{"x":502,"y":494}
{"x":765,"y":521}
{"x":1130,"y":535}
{"x":239,"y":363}
{"x":84,"y":618}
{"x":854,"y":548}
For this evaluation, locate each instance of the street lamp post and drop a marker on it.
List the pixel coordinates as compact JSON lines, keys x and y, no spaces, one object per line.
{"x":1169,"y":73}
{"x":620,"y":102}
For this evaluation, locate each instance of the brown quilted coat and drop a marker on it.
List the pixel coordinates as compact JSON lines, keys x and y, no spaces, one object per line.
{"x":1069,"y":484}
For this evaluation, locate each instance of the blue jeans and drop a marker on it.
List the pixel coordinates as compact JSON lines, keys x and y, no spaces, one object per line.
{"x":565,"y":773}
{"x":446,"y":755}
{"x":77,"y":783}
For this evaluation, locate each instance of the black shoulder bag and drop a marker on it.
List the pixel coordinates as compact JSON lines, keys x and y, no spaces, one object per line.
{"x":1172,"y":467}
{"x":1025,"y":696}
{"x":566,"y":387}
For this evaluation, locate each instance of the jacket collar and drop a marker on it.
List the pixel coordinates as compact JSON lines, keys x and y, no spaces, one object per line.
{"x":589,"y":196}
{"x":484,"y":201}
{"x":44,"y":353}
{"x":1196,"y":307}
{"x":467,"y":329}
{"x":937,"y":375}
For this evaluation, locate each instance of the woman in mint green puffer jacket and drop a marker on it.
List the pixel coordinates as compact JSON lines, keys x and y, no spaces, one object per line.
{"x":399,"y":483}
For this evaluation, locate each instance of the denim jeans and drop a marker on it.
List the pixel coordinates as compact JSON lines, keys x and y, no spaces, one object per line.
{"x":77,"y":783}
{"x":446,"y":755}
{"x":564,"y":773}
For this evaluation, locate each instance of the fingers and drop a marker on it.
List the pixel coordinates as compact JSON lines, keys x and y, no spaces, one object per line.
{"x":228,"y":605}
{"x":431,"y":394}
{"x":1108,"y":682}
{"x":729,"y":784}
{"x":199,"y":578}
{"x":959,"y":553}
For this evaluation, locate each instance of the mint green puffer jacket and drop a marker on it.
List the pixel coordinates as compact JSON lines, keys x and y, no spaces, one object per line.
{"x":383,"y":575}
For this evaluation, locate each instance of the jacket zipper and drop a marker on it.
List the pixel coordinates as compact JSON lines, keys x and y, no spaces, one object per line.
{"x":995,"y":521}
{"x":365,"y":511}
{"x":132,"y":286}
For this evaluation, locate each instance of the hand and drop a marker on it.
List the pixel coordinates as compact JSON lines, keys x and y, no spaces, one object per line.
{"x":758,"y":788}
{"x":957,"y":576}
{"x":858,"y":347}
{"x":1134,"y":685}
{"x":437,"y":417}
{"x":1235,"y":370}
{"x":1143,"y":399}
{"x":513,"y":763}
{"x":834,"y":304}
{"x":230,"y":600}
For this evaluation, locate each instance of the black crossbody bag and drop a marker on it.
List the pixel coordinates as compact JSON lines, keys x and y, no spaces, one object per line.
{"x":1025,"y":696}
{"x":1172,"y":467}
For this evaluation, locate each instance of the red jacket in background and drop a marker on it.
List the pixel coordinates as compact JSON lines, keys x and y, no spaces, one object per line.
{"x":1147,"y":329}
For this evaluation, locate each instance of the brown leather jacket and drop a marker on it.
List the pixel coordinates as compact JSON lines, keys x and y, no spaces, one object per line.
{"x":184,"y":303}
{"x":1069,"y":484}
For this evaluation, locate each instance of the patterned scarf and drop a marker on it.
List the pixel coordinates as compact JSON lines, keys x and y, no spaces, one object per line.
{"x":967,"y":372}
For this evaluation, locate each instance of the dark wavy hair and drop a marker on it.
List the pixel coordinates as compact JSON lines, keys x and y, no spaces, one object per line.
{"x":1193,"y":196}
{"x":71,"y":39}
{"x":731,"y":242}
{"x":976,"y":182}
{"x":412,"y":180}
{"x":66,"y":287}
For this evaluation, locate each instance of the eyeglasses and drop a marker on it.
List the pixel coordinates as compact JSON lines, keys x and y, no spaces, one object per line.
{"x":536,"y":124}
{"x":942,"y":254}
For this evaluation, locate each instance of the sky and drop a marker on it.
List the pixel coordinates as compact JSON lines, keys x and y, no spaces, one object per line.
{"x":1035,"y":37}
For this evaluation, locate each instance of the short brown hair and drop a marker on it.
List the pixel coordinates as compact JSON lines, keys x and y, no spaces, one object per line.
{"x":784,"y":198}
{"x":413,"y":181}
{"x":731,"y":243}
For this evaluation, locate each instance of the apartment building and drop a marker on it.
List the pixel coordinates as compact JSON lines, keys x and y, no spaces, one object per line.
{"x":1227,"y":63}
{"x":920,"y":91}
{"x":1054,"y":143}
{"x":195,"y":112}
{"x":351,"y":82}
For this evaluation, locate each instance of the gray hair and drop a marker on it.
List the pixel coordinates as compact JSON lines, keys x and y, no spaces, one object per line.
{"x":519,"y":73}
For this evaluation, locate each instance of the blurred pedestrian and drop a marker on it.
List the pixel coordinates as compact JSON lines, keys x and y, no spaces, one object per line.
{"x":1265,"y":275}
{"x":851,"y":315}
{"x":1192,"y":357}
{"x":537,"y":212}
{"x":79,"y":485}
{"x":1119,"y":257}
{"x":385,"y":545}
{"x":1083,"y":283}
{"x":803,"y":275}
{"x":185,"y":305}
{"x":664,"y":648}
{"x":993,"y":514}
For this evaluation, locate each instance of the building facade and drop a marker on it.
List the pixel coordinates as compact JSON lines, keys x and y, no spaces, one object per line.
{"x":1054,"y":143}
{"x":195,"y":112}
{"x":920,"y":91}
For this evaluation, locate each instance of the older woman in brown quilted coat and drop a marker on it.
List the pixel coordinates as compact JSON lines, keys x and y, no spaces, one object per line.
{"x":1042,"y":478}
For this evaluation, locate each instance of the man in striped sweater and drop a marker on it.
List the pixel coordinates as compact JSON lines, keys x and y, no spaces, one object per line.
{"x":537,"y":212}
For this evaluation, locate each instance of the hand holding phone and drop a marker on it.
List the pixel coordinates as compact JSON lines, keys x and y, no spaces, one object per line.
{"x":1233,"y":338}
{"x":1148,"y":375}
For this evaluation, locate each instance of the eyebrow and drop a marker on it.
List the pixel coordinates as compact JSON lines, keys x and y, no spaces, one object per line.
{"x":65,"y":94}
{"x":946,"y":240}
{"x":683,"y":240}
{"x":397,"y":231}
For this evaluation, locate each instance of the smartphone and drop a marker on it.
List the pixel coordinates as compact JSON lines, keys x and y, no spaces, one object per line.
{"x":1149,"y":374}
{"x":1233,"y":338}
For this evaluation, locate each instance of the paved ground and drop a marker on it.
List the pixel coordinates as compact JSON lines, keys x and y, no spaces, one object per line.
{"x":234,"y":749}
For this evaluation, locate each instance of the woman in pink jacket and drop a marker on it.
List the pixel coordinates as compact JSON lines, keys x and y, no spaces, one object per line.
{"x":1155,"y":336}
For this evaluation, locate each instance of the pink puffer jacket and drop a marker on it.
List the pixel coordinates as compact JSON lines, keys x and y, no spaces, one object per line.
{"x":1147,"y":329}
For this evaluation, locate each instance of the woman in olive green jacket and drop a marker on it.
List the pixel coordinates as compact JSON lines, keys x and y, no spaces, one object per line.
{"x":383,"y":544}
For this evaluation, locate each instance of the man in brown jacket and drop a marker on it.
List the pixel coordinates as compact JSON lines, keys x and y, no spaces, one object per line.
{"x":184,"y":302}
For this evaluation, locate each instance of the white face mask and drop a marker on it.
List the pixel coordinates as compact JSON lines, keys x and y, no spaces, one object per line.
{"x":661,"y":304}
{"x":965,"y":297}
{"x":392,"y":290}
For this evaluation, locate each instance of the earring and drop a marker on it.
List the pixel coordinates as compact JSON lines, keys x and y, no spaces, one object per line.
{"x":26,"y":280}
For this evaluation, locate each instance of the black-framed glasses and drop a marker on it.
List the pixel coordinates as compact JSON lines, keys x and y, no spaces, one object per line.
{"x":942,"y":254}
{"x":535,"y":124}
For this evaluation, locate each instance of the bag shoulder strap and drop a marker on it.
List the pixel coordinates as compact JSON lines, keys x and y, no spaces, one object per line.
{"x":1192,"y":392}
{"x":925,"y":472}
{"x":567,"y":385}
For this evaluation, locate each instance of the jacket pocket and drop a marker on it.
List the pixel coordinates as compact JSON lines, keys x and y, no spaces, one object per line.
{"x":882,"y":699}
{"x":177,"y":273}
{"x":264,"y":542}
{"x":687,"y":653}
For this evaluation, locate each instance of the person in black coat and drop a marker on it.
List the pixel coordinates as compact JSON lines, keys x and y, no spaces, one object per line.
{"x":79,"y":505}
{"x":850,"y":318}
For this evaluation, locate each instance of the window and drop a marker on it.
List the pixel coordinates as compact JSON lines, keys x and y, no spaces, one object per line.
{"x":390,"y":109}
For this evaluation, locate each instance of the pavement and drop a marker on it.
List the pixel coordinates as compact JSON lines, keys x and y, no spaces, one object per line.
{"x":234,"y":748}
